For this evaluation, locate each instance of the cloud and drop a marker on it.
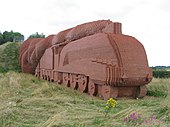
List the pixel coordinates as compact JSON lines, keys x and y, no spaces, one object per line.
{"x":147,"y":20}
{"x":165,"y":5}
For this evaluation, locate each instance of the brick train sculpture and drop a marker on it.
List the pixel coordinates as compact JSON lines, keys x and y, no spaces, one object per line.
{"x":94,"y":57}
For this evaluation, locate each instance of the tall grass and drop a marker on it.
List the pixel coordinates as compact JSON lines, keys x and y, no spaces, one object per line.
{"x":26,"y":101}
{"x":159,"y":87}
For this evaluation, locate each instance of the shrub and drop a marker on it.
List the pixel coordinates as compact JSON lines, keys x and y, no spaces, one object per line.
{"x":161,"y":74}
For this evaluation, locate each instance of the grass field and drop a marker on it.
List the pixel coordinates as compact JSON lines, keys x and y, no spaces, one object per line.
{"x":26,"y":101}
{"x":168,"y":69}
{"x":2,"y":47}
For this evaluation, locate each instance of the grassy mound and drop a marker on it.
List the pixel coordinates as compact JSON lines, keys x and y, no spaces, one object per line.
{"x":9,"y":55}
{"x":26,"y":101}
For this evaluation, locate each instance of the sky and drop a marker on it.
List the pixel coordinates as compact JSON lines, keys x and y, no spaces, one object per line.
{"x":146,"y":20}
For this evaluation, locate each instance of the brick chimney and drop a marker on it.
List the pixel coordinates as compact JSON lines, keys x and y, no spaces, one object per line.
{"x":114,"y":27}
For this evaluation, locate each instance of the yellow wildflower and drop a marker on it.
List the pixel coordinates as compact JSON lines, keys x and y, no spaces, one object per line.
{"x":107,"y":107}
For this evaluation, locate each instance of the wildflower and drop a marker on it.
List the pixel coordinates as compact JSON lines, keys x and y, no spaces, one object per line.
{"x":111,"y":103}
{"x":153,"y":117}
{"x":107,"y":107}
{"x":126,"y":119}
{"x":133,"y":116}
{"x":135,"y":119}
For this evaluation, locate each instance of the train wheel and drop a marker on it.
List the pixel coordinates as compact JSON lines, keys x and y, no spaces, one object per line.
{"x":141,"y":91}
{"x":48,"y":78}
{"x":45,"y":77}
{"x":73,"y":81}
{"x":109,"y":92}
{"x":92,"y":89}
{"x":65,"y":79}
{"x":82,"y":83}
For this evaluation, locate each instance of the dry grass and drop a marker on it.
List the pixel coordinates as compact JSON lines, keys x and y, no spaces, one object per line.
{"x":26,"y":101}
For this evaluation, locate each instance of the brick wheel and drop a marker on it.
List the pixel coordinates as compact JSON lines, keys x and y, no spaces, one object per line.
{"x":109,"y":92}
{"x":92,"y":88}
{"x":65,"y":79}
{"x":73,"y":81}
{"x":141,"y":91}
{"x":82,"y":83}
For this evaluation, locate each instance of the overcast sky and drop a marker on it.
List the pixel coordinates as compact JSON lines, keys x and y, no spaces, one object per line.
{"x":146,"y":20}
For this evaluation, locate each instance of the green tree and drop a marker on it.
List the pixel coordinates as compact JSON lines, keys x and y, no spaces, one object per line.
{"x":11,"y":37}
{"x":18,"y":37}
{"x":8,"y":36}
{"x":37,"y":35}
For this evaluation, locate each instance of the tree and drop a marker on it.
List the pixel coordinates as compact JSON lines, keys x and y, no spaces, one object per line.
{"x":18,"y":37}
{"x":7,"y":36}
{"x":11,"y":37}
{"x":37,"y":35}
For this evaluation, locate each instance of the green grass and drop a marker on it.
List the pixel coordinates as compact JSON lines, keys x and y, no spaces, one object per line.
{"x":2,"y":47}
{"x":26,"y":101}
{"x":9,"y":56}
{"x":168,"y":69}
{"x":159,"y":87}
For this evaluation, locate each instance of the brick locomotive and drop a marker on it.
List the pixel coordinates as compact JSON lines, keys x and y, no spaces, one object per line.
{"x":93,"y":57}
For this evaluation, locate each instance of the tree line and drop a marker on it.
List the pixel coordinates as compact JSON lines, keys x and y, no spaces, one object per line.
{"x":16,"y":36}
{"x":161,"y":71}
{"x":11,"y":37}
{"x":37,"y":35}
